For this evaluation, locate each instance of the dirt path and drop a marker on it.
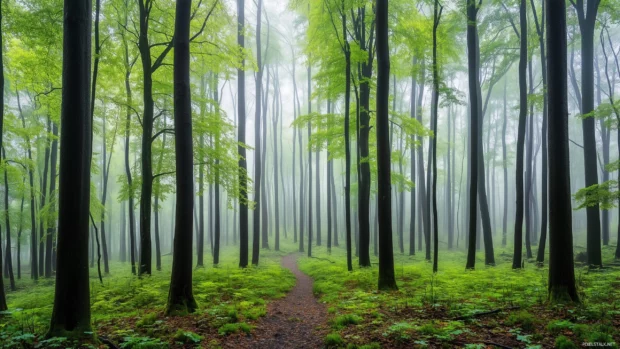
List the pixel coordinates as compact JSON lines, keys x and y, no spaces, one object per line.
{"x":295,"y":321}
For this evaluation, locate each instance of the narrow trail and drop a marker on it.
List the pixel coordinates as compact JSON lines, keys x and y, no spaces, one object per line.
{"x":295,"y":321}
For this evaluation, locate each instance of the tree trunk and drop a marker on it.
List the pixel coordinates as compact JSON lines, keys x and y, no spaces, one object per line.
{"x":473,"y":124}
{"x":180,"y":296}
{"x":243,"y":166}
{"x":257,"y":141}
{"x":71,"y":312}
{"x":387,"y":280}
{"x":518,"y":232}
{"x":561,"y":271}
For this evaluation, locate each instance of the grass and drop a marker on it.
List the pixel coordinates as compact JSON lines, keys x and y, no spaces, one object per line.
{"x":128,"y":309}
{"x":423,"y":311}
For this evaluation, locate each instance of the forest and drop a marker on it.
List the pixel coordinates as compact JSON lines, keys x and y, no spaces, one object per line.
{"x":450,"y":179}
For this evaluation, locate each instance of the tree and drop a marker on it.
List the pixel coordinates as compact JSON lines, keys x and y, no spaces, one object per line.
{"x":243,"y":165}
{"x":518,"y":238}
{"x":387,"y":280}
{"x":587,"y":22}
{"x":3,"y":305}
{"x":561,"y":270}
{"x":180,"y":297}
{"x":257,"y":141}
{"x":472,"y":67}
{"x":437,"y":9}
{"x":71,"y":312}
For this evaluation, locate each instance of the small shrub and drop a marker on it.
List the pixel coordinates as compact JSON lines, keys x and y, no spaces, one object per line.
{"x":187,"y":337}
{"x":143,"y":343}
{"x":333,"y":340}
{"x":600,"y":337}
{"x":147,"y":320}
{"x":234,"y":328}
{"x":347,"y":319}
{"x":557,"y":327}
{"x":523,"y":318}
{"x":429,"y":329}
{"x":564,"y":343}
{"x":232,"y":315}
{"x":373,"y":345}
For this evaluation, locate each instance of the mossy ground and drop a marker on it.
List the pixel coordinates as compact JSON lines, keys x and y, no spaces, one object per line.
{"x":424,"y":311}
{"x":129,"y":310}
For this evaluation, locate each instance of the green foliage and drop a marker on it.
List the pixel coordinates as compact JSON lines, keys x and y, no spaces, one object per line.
{"x":564,"y":343}
{"x":234,"y":328}
{"x":147,"y":320}
{"x":187,"y":337}
{"x":142,"y":343}
{"x":522,"y":318}
{"x":346,"y":320}
{"x":333,"y":340}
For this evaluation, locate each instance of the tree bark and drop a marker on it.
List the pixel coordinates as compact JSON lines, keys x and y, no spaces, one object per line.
{"x":387,"y":280}
{"x":243,"y":166}
{"x":561,"y":270}
{"x":71,"y":312}
{"x":180,"y":297}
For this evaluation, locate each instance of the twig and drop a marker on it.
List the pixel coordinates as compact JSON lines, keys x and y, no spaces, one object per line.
{"x":98,"y":248}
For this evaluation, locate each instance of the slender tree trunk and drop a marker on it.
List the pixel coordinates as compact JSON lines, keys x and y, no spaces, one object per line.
{"x":518,"y":231}
{"x":309,"y":163}
{"x":387,"y":280}
{"x":51,"y":229}
{"x":505,"y":168}
{"x":435,"y":105}
{"x":243,"y":166}
{"x":9,"y":259}
{"x":257,"y":141}
{"x":473,"y":124}
{"x":347,"y":141}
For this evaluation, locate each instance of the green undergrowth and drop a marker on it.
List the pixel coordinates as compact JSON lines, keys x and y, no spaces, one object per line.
{"x":425,"y":311}
{"x":129,"y":309}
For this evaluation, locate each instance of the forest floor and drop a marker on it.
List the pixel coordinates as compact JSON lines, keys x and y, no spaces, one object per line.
{"x":295,"y":321}
{"x":293,"y":301}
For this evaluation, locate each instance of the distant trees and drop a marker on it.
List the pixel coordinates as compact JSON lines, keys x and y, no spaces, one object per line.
{"x":71,"y":313}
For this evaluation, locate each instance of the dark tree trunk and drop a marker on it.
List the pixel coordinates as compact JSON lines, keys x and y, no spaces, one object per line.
{"x":71,"y":312}
{"x":518,"y":232}
{"x":51,"y":229}
{"x":449,"y":184}
{"x":529,"y":168}
{"x":104,"y":192}
{"x":243,"y":165}
{"x":363,"y":139}
{"x":434,"y":106}
{"x":128,"y":101}
{"x":473,"y":124}
{"x":43,"y":188}
{"x":347,"y":142}
{"x":265,"y":190}
{"x":387,"y":280}
{"x":148,"y":68}
{"x":3,"y":306}
{"x":200,"y":243}
{"x":9,"y":258}
{"x":330,"y":179}
{"x":180,"y":297}
{"x":561,"y":271}
{"x":257,"y":141}
{"x":587,"y":21}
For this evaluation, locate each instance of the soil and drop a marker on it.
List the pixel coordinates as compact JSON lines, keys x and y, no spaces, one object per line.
{"x":295,"y":321}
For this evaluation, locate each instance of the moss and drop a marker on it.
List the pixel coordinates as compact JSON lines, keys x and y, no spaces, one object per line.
{"x":346,"y":320}
{"x":234,"y":328}
{"x":563,"y":342}
{"x":333,"y":340}
{"x":524,"y":319}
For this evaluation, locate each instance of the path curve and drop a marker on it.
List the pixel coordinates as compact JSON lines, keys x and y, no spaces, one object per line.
{"x":295,"y":321}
